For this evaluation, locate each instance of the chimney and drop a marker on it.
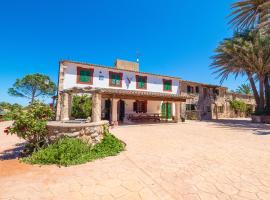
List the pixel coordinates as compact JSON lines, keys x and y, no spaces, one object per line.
{"x":126,"y":65}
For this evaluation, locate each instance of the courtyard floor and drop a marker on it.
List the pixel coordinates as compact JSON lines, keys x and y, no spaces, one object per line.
{"x":226,"y":160}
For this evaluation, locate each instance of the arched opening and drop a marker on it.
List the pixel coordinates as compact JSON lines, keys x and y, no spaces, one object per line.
{"x":121,"y":110}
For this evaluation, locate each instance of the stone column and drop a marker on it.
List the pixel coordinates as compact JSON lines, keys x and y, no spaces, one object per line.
{"x":96,"y":107}
{"x":66,"y":106}
{"x":114,"y":116}
{"x":181,"y":109}
{"x":177,"y":112}
{"x":60,"y":88}
{"x":58,"y":107}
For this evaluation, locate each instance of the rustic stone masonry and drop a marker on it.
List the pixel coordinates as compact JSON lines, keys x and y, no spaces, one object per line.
{"x":91,"y":132}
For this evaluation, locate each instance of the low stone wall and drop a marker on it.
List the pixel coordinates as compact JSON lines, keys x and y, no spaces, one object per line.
{"x":90,"y":132}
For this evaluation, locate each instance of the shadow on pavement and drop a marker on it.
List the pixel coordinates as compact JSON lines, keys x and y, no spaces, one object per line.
{"x":12,"y":153}
{"x":259,"y":129}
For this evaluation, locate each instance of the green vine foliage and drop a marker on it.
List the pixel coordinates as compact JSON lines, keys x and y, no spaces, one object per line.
{"x":238,"y":106}
{"x":81,"y":106}
{"x":30,"y":124}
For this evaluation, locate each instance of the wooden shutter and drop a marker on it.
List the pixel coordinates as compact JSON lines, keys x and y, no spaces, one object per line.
{"x":84,"y":76}
{"x":117,"y":78}
{"x":169,"y":110}
{"x":140,"y":83}
{"x":167,"y":85}
{"x":163,"y":110}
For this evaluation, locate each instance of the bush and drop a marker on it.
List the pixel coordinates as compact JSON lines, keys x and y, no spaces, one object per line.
{"x":81,"y":107}
{"x":71,"y":151}
{"x":9,"y":110}
{"x":31,"y":124}
{"x":8,"y":106}
{"x":238,"y":106}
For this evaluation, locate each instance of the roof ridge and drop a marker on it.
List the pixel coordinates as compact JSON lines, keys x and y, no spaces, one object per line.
{"x":111,"y":67}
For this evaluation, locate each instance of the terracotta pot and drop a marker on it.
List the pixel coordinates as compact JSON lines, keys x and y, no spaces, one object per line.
{"x":256,"y":118}
{"x":265,"y":119}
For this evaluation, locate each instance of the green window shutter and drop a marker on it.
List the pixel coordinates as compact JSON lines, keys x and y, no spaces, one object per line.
{"x":85,"y":76}
{"x":167,"y":85}
{"x":141,"y":82}
{"x":163,"y":110}
{"x":169,"y":110}
{"x":116,"y":79}
{"x":113,"y":79}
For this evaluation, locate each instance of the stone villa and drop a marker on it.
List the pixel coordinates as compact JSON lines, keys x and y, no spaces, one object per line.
{"x":124,"y":94}
{"x":205,"y":99}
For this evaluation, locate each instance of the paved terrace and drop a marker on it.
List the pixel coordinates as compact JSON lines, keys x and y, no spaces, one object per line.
{"x":226,"y":160}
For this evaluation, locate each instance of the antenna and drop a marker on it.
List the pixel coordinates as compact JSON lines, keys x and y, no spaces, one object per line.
{"x":137,"y":56}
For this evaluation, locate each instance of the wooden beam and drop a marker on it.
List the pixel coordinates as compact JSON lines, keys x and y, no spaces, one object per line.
{"x":142,"y":97}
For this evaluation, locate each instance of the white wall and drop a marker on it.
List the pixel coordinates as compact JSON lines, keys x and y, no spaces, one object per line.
{"x":154,"y":83}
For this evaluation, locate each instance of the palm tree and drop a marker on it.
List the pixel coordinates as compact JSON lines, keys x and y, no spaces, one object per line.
{"x":250,"y":14}
{"x":247,"y":53}
{"x":244,"y":89}
{"x":254,"y":13}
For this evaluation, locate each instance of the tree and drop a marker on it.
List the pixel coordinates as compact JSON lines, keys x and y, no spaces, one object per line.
{"x":33,"y":86}
{"x":250,"y":14}
{"x":30,"y":125}
{"x":81,"y":106}
{"x":238,"y":106}
{"x":246,"y":53}
{"x":254,"y":14}
{"x":244,"y":89}
{"x":9,"y":106}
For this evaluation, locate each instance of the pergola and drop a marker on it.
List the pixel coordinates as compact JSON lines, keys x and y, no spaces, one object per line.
{"x":65,"y":97}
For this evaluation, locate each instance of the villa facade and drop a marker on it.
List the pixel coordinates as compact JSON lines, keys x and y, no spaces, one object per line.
{"x":212,"y":101}
{"x":124,"y":94}
{"x":121,"y":93}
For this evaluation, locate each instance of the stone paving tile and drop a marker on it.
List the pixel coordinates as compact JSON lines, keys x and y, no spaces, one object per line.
{"x":225,"y":160}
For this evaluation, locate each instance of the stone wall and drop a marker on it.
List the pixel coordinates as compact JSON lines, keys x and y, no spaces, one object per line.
{"x":127,"y":65}
{"x":91,"y":132}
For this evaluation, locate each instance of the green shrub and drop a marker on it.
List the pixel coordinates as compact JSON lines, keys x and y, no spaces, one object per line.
{"x":9,"y":110}
{"x":71,"y":151}
{"x":30,"y":124}
{"x":238,"y":106}
{"x":81,"y":106}
{"x":9,"y":106}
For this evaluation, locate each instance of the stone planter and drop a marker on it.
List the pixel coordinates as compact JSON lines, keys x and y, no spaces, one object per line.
{"x":256,"y":119}
{"x":90,"y":132}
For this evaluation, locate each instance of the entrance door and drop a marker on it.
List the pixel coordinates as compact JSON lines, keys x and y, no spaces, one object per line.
{"x":166,"y":110}
{"x":121,"y":110}
{"x":107,"y":111}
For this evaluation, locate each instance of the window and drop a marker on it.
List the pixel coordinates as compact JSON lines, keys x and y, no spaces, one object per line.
{"x":216,"y":91}
{"x":167,"y":85}
{"x":205,"y":92}
{"x":197,"y":89}
{"x":141,"y":82}
{"x":190,"y":107}
{"x":84,"y":75}
{"x":140,"y":106}
{"x":115,"y":79}
{"x":190,"y":89}
{"x":220,"y":109}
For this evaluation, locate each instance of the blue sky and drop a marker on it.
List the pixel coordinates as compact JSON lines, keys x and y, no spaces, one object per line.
{"x":173,"y":37}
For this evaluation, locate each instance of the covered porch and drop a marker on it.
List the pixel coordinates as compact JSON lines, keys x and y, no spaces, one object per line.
{"x":124,"y":106}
